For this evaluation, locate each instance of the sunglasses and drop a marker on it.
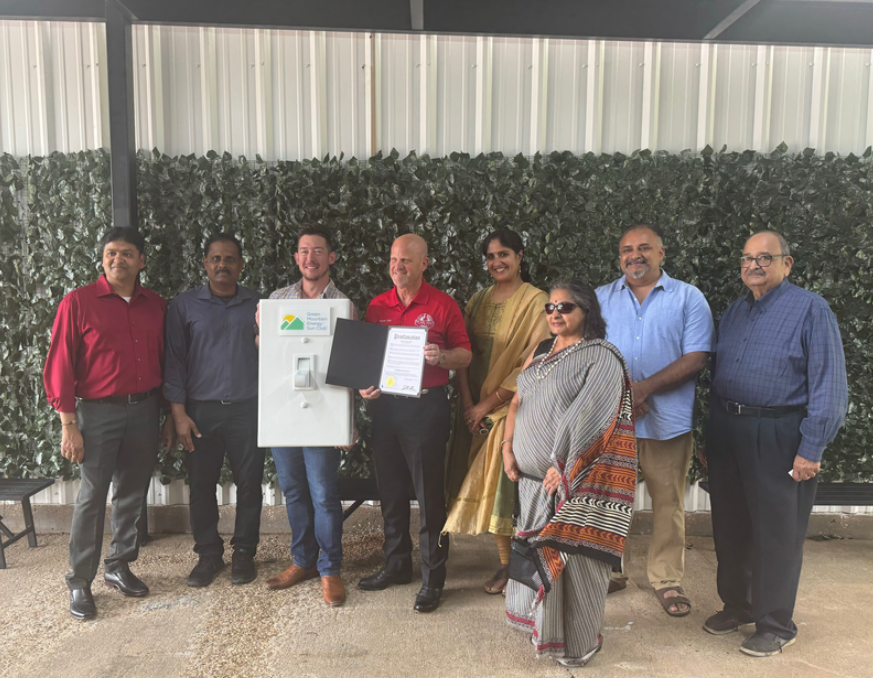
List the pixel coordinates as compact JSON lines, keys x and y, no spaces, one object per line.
{"x":563,"y":308}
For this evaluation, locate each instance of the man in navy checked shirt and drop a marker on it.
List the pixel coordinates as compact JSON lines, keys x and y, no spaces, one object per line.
{"x":779,"y":396}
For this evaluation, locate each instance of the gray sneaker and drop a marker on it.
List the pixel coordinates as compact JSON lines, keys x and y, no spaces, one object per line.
{"x":764,"y":644}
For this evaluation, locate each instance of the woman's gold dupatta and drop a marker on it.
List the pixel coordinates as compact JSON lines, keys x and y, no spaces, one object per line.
{"x":521,"y":329}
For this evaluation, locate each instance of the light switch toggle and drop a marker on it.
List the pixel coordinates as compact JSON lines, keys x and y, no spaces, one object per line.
{"x":303,"y":377}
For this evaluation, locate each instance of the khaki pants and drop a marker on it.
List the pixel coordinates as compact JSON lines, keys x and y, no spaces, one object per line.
{"x":665,"y":466}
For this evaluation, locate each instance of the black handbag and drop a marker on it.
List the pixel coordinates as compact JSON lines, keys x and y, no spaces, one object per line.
{"x":525,"y":566}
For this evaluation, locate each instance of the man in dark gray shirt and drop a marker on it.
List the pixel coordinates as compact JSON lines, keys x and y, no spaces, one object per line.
{"x":211,"y":381}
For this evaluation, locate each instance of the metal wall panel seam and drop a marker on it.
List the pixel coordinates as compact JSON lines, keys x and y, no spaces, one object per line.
{"x":869,"y":66}
{"x":156,"y":87}
{"x":815,"y":118}
{"x":62,"y":114}
{"x":377,"y":92}
{"x":592,"y":100}
{"x":208,"y":75}
{"x":423,"y":92}
{"x":187,"y":75}
{"x":479,"y":118}
{"x":41,"y":64}
{"x":656,"y":96}
{"x":99,"y":85}
{"x":369,"y":95}
{"x":648,"y":65}
{"x":432,"y":69}
{"x":9,"y":144}
{"x":539,"y":94}
{"x":264,"y":92}
{"x":705,"y":73}
{"x":299,"y":88}
{"x":281,"y":136}
{"x":826,"y":92}
{"x":79,"y":82}
{"x":28,"y":123}
{"x":761,"y":110}
{"x":487,"y":123}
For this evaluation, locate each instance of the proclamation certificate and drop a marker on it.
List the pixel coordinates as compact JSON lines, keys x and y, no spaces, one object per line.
{"x":403,"y":367}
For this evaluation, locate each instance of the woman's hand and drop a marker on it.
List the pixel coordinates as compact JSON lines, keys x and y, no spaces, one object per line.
{"x":509,"y":464}
{"x":552,"y":480}
{"x":474,"y":417}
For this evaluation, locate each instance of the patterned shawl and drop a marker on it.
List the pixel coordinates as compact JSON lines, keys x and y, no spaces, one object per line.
{"x":595,"y":499}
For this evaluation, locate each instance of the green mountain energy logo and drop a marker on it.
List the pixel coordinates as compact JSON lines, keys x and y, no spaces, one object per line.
{"x":292,"y":322}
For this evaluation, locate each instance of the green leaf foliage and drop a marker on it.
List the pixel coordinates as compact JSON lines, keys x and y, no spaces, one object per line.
{"x":571,"y":211}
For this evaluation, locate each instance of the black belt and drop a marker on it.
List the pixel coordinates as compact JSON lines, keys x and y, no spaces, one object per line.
{"x":750,"y":411}
{"x":423,"y":391}
{"x":221,"y":402}
{"x":133,"y":399}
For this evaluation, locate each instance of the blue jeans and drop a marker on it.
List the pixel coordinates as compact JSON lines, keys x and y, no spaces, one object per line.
{"x":307,"y":478}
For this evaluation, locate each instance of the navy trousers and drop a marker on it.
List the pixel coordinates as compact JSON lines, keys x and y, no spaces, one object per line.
{"x":759,"y":515}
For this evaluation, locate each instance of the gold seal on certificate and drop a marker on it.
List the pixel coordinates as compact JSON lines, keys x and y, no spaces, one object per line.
{"x":403,"y":367}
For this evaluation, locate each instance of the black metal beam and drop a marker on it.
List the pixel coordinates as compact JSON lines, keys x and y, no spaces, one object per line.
{"x":57,"y":10}
{"x":825,"y":22}
{"x":122,"y":133}
{"x":812,"y":22}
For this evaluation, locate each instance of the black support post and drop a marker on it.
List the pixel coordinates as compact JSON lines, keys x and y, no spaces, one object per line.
{"x":122,"y":134}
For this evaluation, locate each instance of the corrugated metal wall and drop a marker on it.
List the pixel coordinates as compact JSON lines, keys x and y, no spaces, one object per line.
{"x":288,"y":95}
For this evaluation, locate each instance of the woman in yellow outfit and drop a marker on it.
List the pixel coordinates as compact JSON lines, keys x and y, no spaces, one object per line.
{"x":505,"y":322}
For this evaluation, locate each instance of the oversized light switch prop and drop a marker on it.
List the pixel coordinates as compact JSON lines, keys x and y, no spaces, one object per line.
{"x":296,"y":407}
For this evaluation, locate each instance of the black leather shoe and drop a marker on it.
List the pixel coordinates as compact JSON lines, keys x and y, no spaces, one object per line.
{"x":382,"y":580}
{"x":125,"y":581}
{"x":205,"y":570}
{"x":242,"y":570}
{"x":82,"y":604}
{"x":427,"y":600}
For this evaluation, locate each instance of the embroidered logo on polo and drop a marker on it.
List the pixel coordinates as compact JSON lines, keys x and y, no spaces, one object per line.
{"x":424,"y":320}
{"x":292,"y":322}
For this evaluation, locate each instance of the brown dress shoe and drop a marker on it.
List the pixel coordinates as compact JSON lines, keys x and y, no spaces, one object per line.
{"x":333,"y":590}
{"x":293,"y":575}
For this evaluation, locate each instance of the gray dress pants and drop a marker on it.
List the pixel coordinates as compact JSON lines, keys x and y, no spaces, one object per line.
{"x":121,"y":449}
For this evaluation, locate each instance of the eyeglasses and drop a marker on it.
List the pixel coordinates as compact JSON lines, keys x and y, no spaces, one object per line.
{"x":563,"y":307}
{"x":764,"y":260}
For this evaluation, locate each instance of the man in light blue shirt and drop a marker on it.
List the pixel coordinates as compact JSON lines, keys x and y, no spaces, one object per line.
{"x":663,"y":328}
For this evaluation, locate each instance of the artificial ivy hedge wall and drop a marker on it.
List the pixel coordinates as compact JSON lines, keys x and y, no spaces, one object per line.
{"x":570,"y":209}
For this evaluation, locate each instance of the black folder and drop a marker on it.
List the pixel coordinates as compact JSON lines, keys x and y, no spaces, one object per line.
{"x":357,"y":354}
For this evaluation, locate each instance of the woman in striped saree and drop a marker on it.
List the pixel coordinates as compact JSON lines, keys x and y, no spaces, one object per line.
{"x":569,"y":443}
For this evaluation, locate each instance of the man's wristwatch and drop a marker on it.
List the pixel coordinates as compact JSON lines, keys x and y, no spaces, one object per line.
{"x":442,"y":358}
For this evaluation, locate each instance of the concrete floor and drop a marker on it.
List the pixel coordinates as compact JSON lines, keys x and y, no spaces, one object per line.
{"x":249,"y":631}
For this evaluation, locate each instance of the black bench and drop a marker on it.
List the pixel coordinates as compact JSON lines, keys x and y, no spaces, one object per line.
{"x":836,"y":494}
{"x":19,"y":491}
{"x":359,"y":490}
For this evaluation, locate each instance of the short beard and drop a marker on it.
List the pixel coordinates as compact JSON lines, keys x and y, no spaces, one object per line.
{"x":638,"y":274}
{"x":319,"y":277}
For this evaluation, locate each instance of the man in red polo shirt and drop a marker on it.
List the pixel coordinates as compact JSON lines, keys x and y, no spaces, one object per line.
{"x":410,"y":434}
{"x":103,"y":375}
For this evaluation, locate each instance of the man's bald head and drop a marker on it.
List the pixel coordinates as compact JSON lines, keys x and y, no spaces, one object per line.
{"x":408,"y":261}
{"x":413,"y":242}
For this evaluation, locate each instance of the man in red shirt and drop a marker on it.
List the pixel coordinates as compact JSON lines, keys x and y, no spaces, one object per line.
{"x":103,"y":375}
{"x":410,"y":434}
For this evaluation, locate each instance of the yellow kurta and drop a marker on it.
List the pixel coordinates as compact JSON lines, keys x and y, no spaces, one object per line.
{"x":479,"y":505}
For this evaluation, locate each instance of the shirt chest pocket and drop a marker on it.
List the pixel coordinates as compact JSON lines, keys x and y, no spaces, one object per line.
{"x":663,"y":327}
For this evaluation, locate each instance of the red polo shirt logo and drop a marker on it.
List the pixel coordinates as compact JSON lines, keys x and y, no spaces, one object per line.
{"x":425,"y":320}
